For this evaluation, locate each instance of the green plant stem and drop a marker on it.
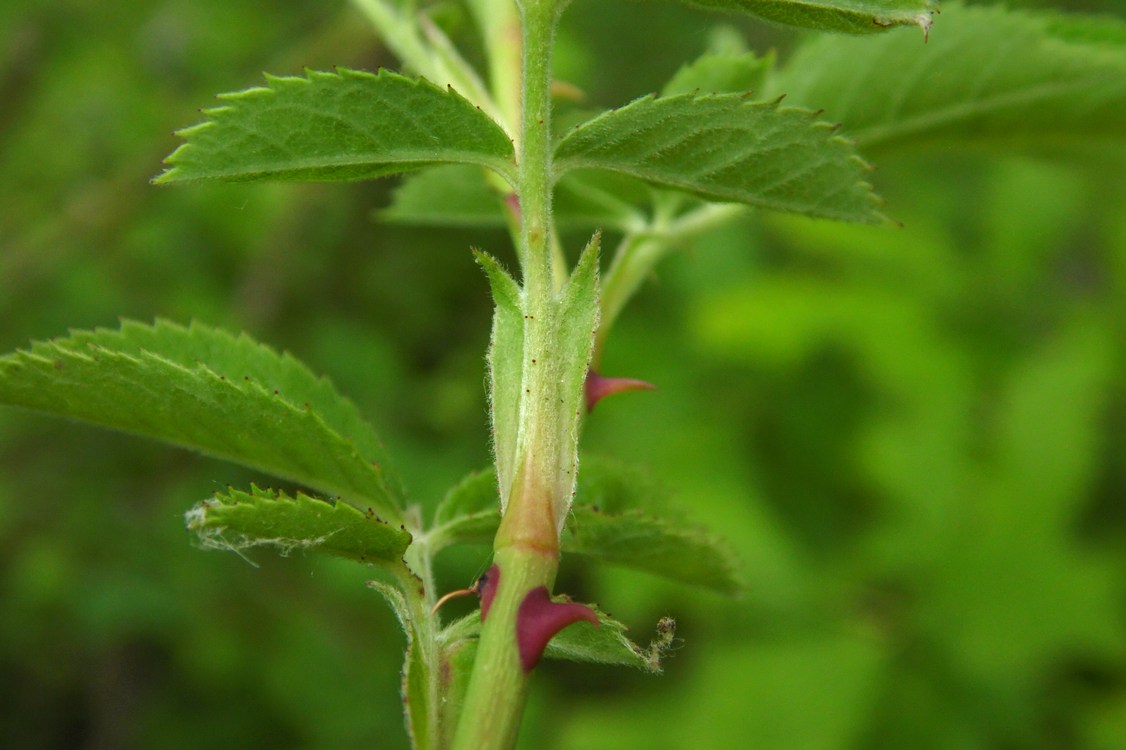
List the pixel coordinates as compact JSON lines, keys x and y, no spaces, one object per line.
{"x":526,"y":549}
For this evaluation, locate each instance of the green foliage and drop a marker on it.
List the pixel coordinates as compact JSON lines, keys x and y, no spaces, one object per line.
{"x":717,"y":73}
{"x":207,"y":390}
{"x":913,"y":438}
{"x":990,"y":77}
{"x":620,"y":517}
{"x":239,"y":520}
{"x":583,"y":642}
{"x":506,"y":367}
{"x":348,"y":125}
{"x":726,"y":147}
{"x":854,"y":16}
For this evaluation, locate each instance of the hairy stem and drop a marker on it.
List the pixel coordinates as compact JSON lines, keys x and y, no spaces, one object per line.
{"x":526,"y":550}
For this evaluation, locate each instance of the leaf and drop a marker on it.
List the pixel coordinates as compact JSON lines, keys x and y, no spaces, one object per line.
{"x":207,"y":390}
{"x":459,"y":195}
{"x":348,"y":125}
{"x":655,"y":545}
{"x":725,"y":147}
{"x":238,"y":520}
{"x":854,"y":16}
{"x":1010,"y":80}
{"x":468,"y":514}
{"x":577,"y":323}
{"x":600,"y":200}
{"x":606,"y":644}
{"x":450,"y":195}
{"x":506,"y":362}
{"x":718,"y":74}
{"x":620,"y":517}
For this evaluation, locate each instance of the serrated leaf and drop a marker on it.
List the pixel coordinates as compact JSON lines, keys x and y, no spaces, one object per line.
{"x":583,"y":642}
{"x":1007,"y":79}
{"x":347,"y":125}
{"x":643,"y":542}
{"x":207,"y":390}
{"x":238,"y":520}
{"x":608,"y":644}
{"x":719,"y":74}
{"x":620,"y":516}
{"x":853,"y":16}
{"x":506,"y":362}
{"x":726,"y":147}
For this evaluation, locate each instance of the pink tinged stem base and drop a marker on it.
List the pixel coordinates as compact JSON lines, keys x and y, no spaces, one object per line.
{"x":539,"y":619}
{"x":598,"y":387}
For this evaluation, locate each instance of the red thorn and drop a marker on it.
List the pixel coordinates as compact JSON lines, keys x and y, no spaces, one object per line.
{"x":487,"y":588}
{"x":539,"y":619}
{"x":598,"y":387}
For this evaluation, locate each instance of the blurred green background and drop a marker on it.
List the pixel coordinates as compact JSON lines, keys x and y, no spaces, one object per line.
{"x":915,"y":438}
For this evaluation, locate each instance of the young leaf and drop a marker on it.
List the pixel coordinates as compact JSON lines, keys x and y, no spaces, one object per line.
{"x":719,"y":74}
{"x":237,"y":520}
{"x":608,"y":644}
{"x":725,"y":147}
{"x":505,"y":360}
{"x":577,"y":322}
{"x":605,"y":644}
{"x":853,"y":16}
{"x":348,"y":125}
{"x":209,"y":391}
{"x":1007,"y":79}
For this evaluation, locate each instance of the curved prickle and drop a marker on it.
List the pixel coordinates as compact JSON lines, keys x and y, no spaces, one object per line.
{"x":539,"y":619}
{"x":598,"y":387}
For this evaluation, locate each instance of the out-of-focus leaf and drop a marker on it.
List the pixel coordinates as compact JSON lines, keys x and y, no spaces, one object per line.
{"x":719,"y":74}
{"x":238,"y":520}
{"x":459,"y":195}
{"x":725,"y":147}
{"x":451,"y":195}
{"x":468,"y":514}
{"x":1007,"y":79}
{"x":854,"y":16}
{"x":654,"y":545}
{"x":207,"y":390}
{"x":348,"y":125}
